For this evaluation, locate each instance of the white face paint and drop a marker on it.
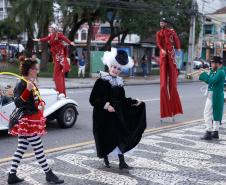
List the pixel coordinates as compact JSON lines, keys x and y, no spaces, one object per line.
{"x":115,"y":70}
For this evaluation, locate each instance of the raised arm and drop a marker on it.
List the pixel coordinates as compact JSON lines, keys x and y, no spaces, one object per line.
{"x":65,"y":39}
{"x":43,"y":39}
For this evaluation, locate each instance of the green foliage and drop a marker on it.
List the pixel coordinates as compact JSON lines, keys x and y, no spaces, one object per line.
{"x":9,"y":30}
{"x":14,"y":68}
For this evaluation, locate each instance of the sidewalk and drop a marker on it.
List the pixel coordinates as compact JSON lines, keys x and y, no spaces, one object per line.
{"x":168,"y":157}
{"x":74,"y":83}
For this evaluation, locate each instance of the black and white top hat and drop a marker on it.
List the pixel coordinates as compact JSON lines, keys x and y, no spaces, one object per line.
{"x":118,"y":58}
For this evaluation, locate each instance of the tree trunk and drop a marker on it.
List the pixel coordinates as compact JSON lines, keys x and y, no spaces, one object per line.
{"x":30,"y":42}
{"x":44,"y":56}
{"x":44,"y":47}
{"x":89,"y":38}
{"x":74,"y":29}
{"x":125,"y":33}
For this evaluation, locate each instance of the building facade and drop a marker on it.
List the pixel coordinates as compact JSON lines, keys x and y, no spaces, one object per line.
{"x":214,"y":35}
{"x":4,"y":5}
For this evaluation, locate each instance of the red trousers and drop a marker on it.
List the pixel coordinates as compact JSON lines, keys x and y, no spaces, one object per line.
{"x":170,"y":103}
{"x":61,"y":66}
{"x":58,"y":77}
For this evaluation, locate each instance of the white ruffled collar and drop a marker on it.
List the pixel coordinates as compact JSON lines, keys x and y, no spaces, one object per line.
{"x":114,"y":81}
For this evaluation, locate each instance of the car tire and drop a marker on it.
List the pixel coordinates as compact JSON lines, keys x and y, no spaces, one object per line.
{"x":67,"y":116}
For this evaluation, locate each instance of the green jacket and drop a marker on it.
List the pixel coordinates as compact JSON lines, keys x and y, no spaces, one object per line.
{"x":216,"y":84}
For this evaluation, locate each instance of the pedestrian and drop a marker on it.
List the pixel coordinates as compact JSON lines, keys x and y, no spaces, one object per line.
{"x":214,"y":106}
{"x":59,"y":52}
{"x":82,"y":65}
{"x":167,"y":40}
{"x":35,"y":58}
{"x":144,"y":66}
{"x":118,"y":122}
{"x":69,"y":62}
{"x":134,"y":68}
{"x":38,"y":61}
{"x":28,"y":123}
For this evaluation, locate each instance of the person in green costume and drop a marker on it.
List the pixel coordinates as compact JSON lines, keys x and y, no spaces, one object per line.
{"x":215,"y":98}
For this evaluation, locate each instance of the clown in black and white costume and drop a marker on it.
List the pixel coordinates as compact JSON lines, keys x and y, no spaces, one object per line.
{"x":118,"y":122}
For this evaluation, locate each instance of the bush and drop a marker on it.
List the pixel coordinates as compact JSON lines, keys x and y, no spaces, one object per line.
{"x":155,"y":71}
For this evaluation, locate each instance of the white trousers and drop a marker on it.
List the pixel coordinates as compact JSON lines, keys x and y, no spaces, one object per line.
{"x":117,"y":151}
{"x":211,"y":125}
{"x":81,"y":69}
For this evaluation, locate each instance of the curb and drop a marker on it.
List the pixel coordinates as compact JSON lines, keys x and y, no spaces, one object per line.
{"x":126,"y":84}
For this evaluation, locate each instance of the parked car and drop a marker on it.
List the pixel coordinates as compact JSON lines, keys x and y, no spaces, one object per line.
{"x":197,"y":64}
{"x":206,"y":64}
{"x":58,"y":107}
{"x":200,"y":63}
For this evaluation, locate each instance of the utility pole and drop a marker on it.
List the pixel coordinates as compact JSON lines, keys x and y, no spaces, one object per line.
{"x":191,"y":47}
{"x":202,"y":29}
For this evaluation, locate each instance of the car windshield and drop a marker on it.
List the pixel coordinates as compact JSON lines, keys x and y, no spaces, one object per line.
{"x":4,"y":100}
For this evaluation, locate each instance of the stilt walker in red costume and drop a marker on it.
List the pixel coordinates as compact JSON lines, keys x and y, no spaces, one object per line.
{"x":59,"y":54}
{"x":167,"y":41}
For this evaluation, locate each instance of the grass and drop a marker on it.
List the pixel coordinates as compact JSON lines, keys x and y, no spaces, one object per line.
{"x":14,"y":68}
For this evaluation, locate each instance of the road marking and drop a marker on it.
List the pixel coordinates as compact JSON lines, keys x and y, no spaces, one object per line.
{"x":78,"y":91}
{"x":149,"y":100}
{"x":91,"y":142}
{"x":154,"y":99}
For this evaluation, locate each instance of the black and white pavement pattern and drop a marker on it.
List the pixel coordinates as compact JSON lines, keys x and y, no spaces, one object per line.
{"x":169,"y":157}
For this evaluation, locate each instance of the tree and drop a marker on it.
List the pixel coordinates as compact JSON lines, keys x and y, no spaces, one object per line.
{"x":9,"y":30}
{"x":31,"y":14}
{"x":22,"y":11}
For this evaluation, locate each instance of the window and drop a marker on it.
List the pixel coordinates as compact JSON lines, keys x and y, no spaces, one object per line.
{"x":208,"y":29}
{"x":105,"y":30}
{"x":83,"y":35}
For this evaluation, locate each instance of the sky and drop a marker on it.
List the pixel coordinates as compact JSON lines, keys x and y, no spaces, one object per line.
{"x":211,"y":5}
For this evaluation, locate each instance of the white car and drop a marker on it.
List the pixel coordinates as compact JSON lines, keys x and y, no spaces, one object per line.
{"x":57,"y":107}
{"x":197,"y":64}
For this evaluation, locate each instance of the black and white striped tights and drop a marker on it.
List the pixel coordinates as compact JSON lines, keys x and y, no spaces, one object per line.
{"x":36,"y":143}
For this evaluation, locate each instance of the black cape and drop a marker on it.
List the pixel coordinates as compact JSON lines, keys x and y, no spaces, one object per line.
{"x":123,"y":128}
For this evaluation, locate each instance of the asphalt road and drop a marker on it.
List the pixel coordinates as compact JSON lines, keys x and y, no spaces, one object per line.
{"x":192,"y":100}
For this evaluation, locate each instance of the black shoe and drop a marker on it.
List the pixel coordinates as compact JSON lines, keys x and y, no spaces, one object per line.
{"x":13,"y":179}
{"x":106,"y":162}
{"x":207,"y":136}
{"x":122,"y":163}
{"x":215,"y":135}
{"x":52,"y":178}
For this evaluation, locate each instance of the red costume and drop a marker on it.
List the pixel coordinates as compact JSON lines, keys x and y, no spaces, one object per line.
{"x":59,"y":53}
{"x":30,"y":124}
{"x":170,"y":103}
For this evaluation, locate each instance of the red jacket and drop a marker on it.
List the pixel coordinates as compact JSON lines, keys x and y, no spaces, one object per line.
{"x":56,"y":41}
{"x":167,"y":39}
